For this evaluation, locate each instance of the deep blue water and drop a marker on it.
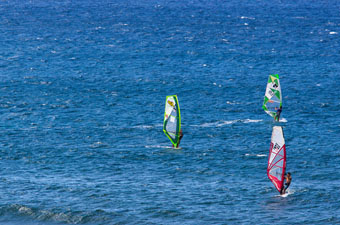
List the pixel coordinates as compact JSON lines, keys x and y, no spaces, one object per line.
{"x":82,"y":95}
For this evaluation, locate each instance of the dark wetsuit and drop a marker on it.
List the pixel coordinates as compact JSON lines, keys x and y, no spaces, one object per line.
{"x":278,"y":113}
{"x":180,"y":138}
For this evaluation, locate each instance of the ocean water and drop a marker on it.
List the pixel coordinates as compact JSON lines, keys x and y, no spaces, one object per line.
{"x":82,"y":96}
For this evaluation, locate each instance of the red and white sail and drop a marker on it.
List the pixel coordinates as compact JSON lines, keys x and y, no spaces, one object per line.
{"x":277,"y":158}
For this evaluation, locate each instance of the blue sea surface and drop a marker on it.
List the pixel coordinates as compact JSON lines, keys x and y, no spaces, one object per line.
{"x":82,"y":97}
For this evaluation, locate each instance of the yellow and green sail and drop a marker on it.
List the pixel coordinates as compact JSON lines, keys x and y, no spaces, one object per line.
{"x":172,"y":119}
{"x":273,"y":96}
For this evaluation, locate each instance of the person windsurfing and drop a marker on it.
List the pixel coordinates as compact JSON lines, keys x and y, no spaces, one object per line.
{"x":278,"y":113}
{"x":288,"y":178}
{"x":180,"y":138}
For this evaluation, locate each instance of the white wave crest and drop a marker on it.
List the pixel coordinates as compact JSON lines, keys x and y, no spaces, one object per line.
{"x":226,"y":122}
{"x":251,"y":121}
{"x":143,"y":126}
{"x":157,"y":146}
{"x":257,"y":155}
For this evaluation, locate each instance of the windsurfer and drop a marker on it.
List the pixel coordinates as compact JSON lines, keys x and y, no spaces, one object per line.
{"x":278,"y":113}
{"x":180,"y":138}
{"x":288,"y":180}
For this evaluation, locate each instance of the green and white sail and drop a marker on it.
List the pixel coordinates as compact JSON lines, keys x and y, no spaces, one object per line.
{"x":172,"y":119}
{"x":273,"y":96}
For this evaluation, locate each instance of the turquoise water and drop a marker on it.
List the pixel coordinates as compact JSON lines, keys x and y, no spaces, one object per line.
{"x":82,"y":96}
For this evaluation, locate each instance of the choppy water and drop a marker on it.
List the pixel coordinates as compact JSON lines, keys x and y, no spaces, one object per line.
{"x":82,"y":94}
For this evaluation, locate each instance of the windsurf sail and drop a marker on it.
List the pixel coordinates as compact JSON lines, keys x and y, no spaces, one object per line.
{"x":172,"y":119}
{"x":273,"y":96}
{"x":277,"y":158}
